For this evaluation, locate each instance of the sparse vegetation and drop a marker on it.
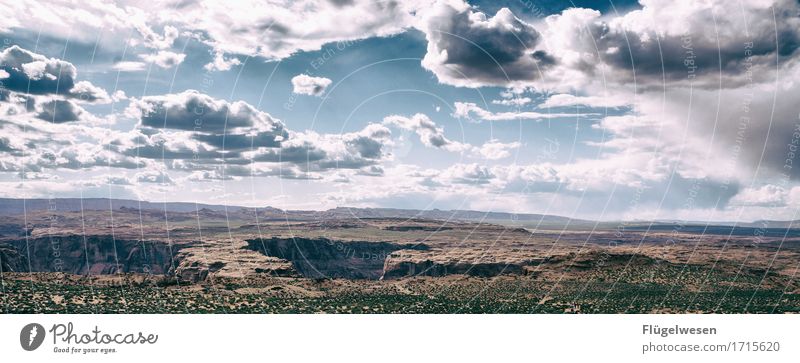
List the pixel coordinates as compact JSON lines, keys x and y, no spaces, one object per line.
{"x":392,"y":266}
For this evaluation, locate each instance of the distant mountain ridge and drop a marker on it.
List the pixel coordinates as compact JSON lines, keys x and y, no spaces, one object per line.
{"x":17,"y":206}
{"x":11,"y":206}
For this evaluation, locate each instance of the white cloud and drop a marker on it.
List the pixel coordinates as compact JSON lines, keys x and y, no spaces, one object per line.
{"x":565,"y":100}
{"x":432,"y":135}
{"x":35,"y":74}
{"x":466,"y":47}
{"x":164,"y":58}
{"x":516,"y":101}
{"x":154,"y":177}
{"x":192,"y":110}
{"x":119,"y":95}
{"x":315,"y":152}
{"x":276,"y":29}
{"x":220,"y":63}
{"x":312,"y":86}
{"x":663,"y":42}
{"x":495,"y":150}
{"x":671,"y":135}
{"x":117,"y":180}
{"x":86,"y":92}
{"x":152,"y":40}
{"x":702,"y":43}
{"x":200,"y":133}
{"x":429,"y":133}
{"x":467,"y":174}
{"x":764,"y":196}
{"x":467,"y":109}
{"x":128,"y":66}
{"x":273,"y":29}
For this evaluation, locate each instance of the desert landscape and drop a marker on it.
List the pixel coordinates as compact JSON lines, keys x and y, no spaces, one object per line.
{"x":118,"y":256}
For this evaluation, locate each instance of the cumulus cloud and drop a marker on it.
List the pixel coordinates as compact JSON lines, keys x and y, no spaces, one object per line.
{"x":315,"y":152}
{"x":41,"y":145}
{"x":432,"y":135}
{"x":59,"y":111}
{"x":272,"y":29}
{"x":194,"y":111}
{"x":153,"y":40}
{"x":690,"y":42}
{"x":221,"y":63}
{"x":154,"y":177}
{"x":36,"y":74}
{"x":275,"y":29}
{"x":764,"y":196}
{"x":31,"y":73}
{"x":713,"y":100}
{"x":495,"y":150}
{"x":429,"y":133}
{"x":468,"y":48}
{"x":312,"y":86}
{"x":86,"y":92}
{"x":164,"y":58}
{"x":200,"y":133}
{"x":468,"y":174}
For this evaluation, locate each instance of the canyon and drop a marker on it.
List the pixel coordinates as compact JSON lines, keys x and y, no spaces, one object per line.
{"x":257,"y":254}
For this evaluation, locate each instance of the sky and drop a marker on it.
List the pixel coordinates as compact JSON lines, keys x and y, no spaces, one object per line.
{"x":678,"y":110}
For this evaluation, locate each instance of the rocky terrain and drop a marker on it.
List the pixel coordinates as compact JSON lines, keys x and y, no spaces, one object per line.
{"x":261,"y":260}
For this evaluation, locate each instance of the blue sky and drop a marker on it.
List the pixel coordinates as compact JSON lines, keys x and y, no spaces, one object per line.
{"x":602,"y":110}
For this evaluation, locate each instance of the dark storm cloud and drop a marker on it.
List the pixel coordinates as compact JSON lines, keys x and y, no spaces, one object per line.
{"x":758,"y":128}
{"x":466,"y":48}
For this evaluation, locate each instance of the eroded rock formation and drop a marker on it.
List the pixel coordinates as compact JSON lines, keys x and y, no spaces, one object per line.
{"x":87,"y":255}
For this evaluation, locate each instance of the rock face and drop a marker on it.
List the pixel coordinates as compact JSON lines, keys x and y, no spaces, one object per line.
{"x":398,"y":269}
{"x":426,"y":228}
{"x":403,"y":264}
{"x":94,"y":255}
{"x":325,"y":258}
{"x":11,"y":260}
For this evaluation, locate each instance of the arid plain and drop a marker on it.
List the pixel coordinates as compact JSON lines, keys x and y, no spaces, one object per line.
{"x":186,"y":258}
